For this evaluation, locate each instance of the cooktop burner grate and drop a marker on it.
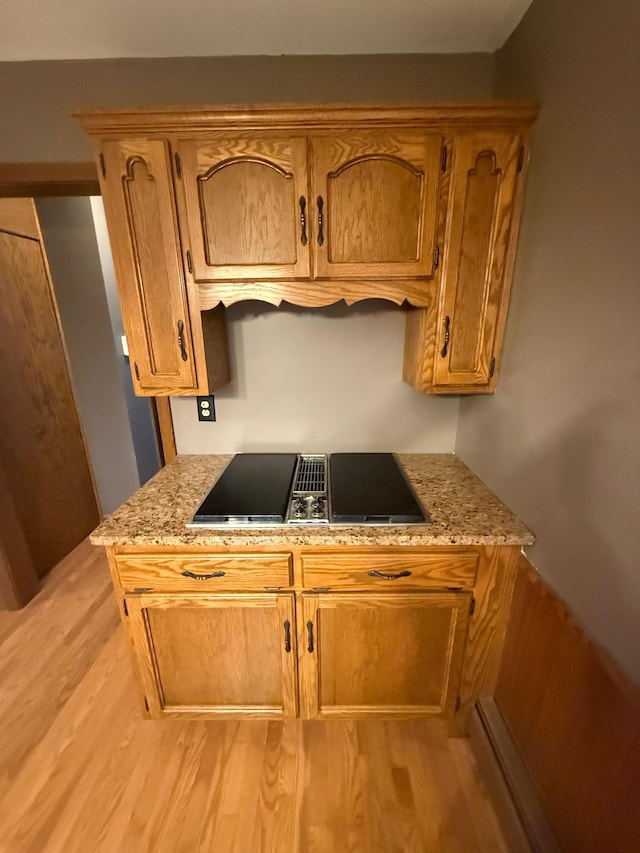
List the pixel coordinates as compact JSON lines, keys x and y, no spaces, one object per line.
{"x":312,"y":474}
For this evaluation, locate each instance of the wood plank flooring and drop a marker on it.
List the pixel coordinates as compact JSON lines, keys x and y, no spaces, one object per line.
{"x":82,"y":772}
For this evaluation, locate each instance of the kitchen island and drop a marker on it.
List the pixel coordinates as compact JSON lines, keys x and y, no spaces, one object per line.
{"x":385,"y":621}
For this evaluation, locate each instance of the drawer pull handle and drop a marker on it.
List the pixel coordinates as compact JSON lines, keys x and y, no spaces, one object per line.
{"x":375,"y":574}
{"x":447,"y":337}
{"x":183,"y":350}
{"x":310,"y":636}
{"x":287,"y":636}
{"x":188,"y":574}
{"x":320,"y":220}
{"x":303,"y":220}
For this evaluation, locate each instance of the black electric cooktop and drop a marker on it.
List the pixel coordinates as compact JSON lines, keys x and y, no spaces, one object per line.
{"x":354,"y":488}
{"x":370,"y":488}
{"x":253,"y":488}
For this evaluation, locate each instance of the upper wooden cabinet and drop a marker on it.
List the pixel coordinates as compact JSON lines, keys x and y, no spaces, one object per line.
{"x":245,"y":199}
{"x":267,"y":207}
{"x":375,"y":196}
{"x":311,"y":205}
{"x":143,"y":229}
{"x":454,"y":346}
{"x":484,"y":177}
{"x":137,"y":188}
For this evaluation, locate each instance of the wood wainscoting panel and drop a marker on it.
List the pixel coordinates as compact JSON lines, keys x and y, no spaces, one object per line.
{"x":574,"y":719}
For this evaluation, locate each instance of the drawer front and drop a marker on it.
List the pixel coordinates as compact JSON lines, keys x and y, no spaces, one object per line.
{"x":205,"y":572}
{"x":442,"y":570}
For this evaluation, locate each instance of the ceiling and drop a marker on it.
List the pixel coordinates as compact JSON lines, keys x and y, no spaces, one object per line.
{"x":99,"y":29}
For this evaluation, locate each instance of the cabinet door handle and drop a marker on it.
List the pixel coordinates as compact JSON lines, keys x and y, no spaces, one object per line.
{"x":389,"y":577}
{"x":310,"y":636}
{"x":447,"y":336}
{"x":303,"y":220}
{"x":287,"y":636}
{"x":183,"y":350}
{"x":320,"y":220}
{"x":196,"y":577}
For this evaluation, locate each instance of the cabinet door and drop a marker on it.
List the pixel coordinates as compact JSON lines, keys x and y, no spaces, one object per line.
{"x":376,"y":197}
{"x":478,"y":257}
{"x":140,"y":210}
{"x":385,"y":655}
{"x":216,"y":655}
{"x":246,"y":207}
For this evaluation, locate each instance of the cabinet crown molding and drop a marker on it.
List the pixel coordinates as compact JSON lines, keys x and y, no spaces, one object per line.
{"x":171,"y":119}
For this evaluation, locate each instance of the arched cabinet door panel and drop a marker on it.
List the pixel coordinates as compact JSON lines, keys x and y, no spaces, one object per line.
{"x":478,"y":257}
{"x":140,"y":210}
{"x":247,"y":204}
{"x":376,"y":197}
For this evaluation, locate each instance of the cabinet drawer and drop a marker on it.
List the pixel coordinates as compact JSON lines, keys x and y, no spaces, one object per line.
{"x":204,"y":572}
{"x":445,"y":569}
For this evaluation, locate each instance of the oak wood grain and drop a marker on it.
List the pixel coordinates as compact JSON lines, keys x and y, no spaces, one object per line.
{"x":201,"y":120}
{"x":345,"y":569}
{"x":36,"y":180}
{"x":377,"y":654}
{"x":475,"y":283}
{"x":216,"y":654}
{"x":141,"y":218}
{"x":315,"y":294}
{"x":381,"y":197}
{"x":18,"y":577}
{"x":81,"y":769}
{"x":487,"y":627}
{"x":42,"y":448}
{"x":218,"y":572}
{"x":575,"y":719}
{"x":243,"y":212}
{"x":18,"y":216}
{"x":419,"y":204}
{"x":164,"y":428}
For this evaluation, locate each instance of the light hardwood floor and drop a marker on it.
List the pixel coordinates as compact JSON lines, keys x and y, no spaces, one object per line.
{"x":80,"y":770}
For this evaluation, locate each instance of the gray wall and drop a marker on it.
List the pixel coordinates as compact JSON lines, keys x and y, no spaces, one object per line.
{"x":70,"y":242}
{"x":559,"y":442}
{"x":37,"y":98}
{"x":321,"y":380}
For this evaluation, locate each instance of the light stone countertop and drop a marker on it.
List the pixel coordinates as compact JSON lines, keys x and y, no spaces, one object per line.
{"x":463,"y":511}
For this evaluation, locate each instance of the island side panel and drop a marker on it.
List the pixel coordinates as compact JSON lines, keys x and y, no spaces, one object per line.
{"x":144,"y":701}
{"x":487,"y":629}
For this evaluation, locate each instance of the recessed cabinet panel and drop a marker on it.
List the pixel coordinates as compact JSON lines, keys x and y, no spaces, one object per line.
{"x":396,"y":654}
{"x":386,"y":194}
{"x":247,"y":208}
{"x":483,"y":187}
{"x":376,"y":198}
{"x":350,"y":570}
{"x":140,"y":212}
{"x":219,"y":654}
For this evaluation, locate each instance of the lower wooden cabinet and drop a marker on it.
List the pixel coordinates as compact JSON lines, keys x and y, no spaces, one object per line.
{"x":385,"y":655}
{"x":316,"y":633}
{"x":216,"y":654}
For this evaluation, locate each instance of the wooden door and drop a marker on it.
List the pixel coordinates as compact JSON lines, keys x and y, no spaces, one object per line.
{"x":216,"y":655}
{"x":376,"y":198}
{"x":381,"y":655}
{"x":140,"y":211}
{"x":247,"y":207}
{"x":478,"y":256}
{"x":42,"y":451}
